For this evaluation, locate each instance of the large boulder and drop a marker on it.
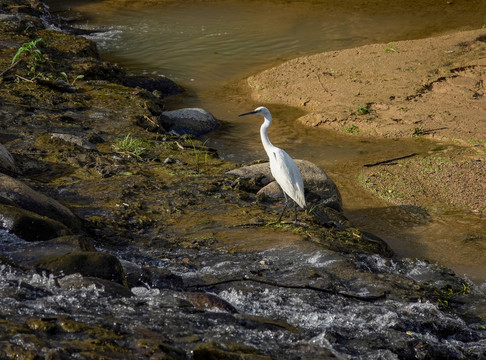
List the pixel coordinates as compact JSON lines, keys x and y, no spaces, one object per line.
{"x":15,"y":193}
{"x":319,"y":187}
{"x":193,"y":121}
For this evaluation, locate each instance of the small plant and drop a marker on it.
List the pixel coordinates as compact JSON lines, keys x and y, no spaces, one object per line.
{"x":353,"y":129}
{"x":308,"y":211}
{"x":199,"y":153}
{"x":64,"y":75}
{"x":36,"y":56}
{"x":364,"y":109}
{"x":130,"y":146}
{"x":447,"y":294}
{"x":418,"y":131}
{"x":388,"y":47}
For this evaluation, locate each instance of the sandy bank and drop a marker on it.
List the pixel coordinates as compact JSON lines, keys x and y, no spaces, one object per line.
{"x":435,"y":86}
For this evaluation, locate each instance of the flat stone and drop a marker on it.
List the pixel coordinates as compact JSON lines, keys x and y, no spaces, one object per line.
{"x":194,"y":121}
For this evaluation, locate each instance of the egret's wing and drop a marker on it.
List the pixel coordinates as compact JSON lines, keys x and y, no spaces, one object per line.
{"x":287,"y":175}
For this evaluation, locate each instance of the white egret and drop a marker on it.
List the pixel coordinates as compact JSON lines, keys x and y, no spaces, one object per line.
{"x":283,"y":168}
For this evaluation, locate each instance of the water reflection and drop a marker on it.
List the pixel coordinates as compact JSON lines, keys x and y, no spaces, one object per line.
{"x":202,"y":44}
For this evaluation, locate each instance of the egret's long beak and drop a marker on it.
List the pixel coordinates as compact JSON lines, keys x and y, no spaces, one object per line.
{"x":249,"y":113}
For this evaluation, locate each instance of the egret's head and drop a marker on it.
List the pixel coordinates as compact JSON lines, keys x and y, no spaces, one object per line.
{"x":262,"y":110}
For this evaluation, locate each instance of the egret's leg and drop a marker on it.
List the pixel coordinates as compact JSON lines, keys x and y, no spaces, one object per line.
{"x":295,"y":211}
{"x":285,"y":206}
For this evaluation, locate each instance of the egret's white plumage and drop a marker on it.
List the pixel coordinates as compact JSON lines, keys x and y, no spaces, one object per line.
{"x":282,"y":166}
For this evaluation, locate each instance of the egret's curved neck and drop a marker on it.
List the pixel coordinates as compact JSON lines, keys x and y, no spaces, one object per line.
{"x":264,"y":135}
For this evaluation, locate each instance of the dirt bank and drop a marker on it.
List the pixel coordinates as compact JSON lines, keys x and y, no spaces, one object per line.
{"x":431,"y":87}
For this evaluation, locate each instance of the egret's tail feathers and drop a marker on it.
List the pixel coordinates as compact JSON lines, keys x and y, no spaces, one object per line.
{"x":300,"y":200}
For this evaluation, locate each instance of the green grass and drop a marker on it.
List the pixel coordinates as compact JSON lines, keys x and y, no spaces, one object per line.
{"x":353,"y":129}
{"x":200,"y":155}
{"x":388,"y":47}
{"x":131,"y":147}
{"x":363,"y":109}
{"x":418,"y":131}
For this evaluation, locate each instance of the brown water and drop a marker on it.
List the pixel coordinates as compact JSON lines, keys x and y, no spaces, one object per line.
{"x":207,"y":46}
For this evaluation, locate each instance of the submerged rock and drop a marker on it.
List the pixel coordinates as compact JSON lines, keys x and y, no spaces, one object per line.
{"x":192,"y":121}
{"x":319,"y":187}
{"x":230,"y":351}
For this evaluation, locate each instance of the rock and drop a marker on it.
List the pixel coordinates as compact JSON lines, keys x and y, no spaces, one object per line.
{"x":74,"y":140}
{"x":161,"y":85}
{"x":29,"y":225}
{"x":87,"y":263}
{"x":171,"y":160}
{"x":27,"y":254}
{"x":7,"y":161}
{"x":205,"y":301}
{"x":15,"y":192}
{"x":319,"y":187}
{"x":192,"y":121}
{"x":265,"y":323}
{"x":158,"y":278}
{"x":58,"y":85}
{"x":107,"y":288}
{"x":227,"y":351}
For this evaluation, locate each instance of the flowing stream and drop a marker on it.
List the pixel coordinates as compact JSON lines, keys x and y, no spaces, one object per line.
{"x":208,"y":46}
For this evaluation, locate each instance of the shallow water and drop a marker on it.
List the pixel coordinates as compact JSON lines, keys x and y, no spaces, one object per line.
{"x":285,"y":306}
{"x":206,"y":46}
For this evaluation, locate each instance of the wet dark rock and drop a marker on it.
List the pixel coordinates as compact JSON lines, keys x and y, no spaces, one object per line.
{"x":319,"y":187}
{"x":74,"y":140}
{"x":90,"y":264}
{"x":29,"y":225}
{"x":193,"y":121}
{"x":158,"y":278}
{"x":15,"y":192}
{"x":204,"y":300}
{"x":349,"y":240}
{"x":264,"y":324}
{"x":227,"y":351}
{"x":22,"y":291}
{"x":107,"y":287}
{"x":158,"y":85}
{"x":26,"y":254}
{"x":70,"y":47}
{"x":7,"y":162}
{"x":44,"y":325}
{"x":329,"y":217}
{"x":58,"y":85}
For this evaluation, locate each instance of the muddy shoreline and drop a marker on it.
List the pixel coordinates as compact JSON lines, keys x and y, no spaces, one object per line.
{"x":154,"y":251}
